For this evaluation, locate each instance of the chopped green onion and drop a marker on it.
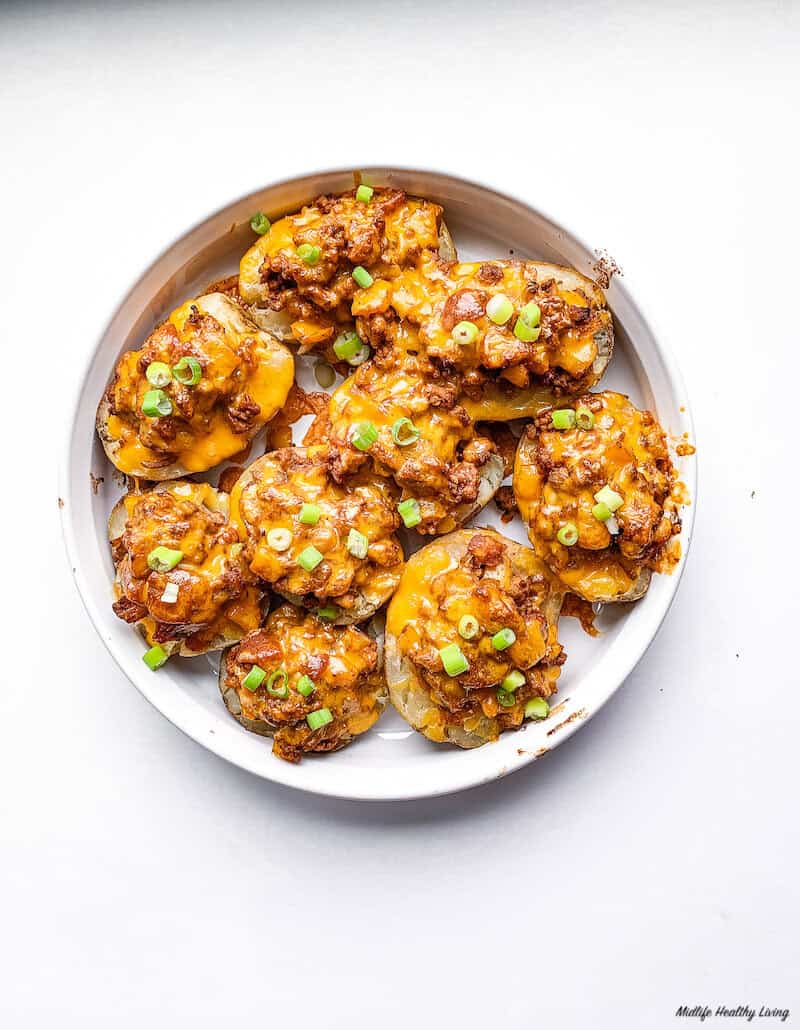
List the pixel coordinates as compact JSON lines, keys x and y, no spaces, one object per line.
{"x":309,"y":514}
{"x":309,"y":558}
{"x":609,"y":497}
{"x":364,"y":435}
{"x":188,"y":371}
{"x":513,"y":680}
{"x":499,"y":309}
{"x":505,"y":698}
{"x":260,"y":223}
{"x":280,"y":539}
{"x":404,"y":432}
{"x":503,"y":638}
{"x":468,"y":627}
{"x":537,"y":708}
{"x":155,"y":657}
{"x":320,"y":718}
{"x":465,"y":333}
{"x":254,"y":678}
{"x":602,"y":512}
{"x":453,"y":660}
{"x":568,"y":534}
{"x":564,"y":418}
{"x":357,"y":544}
{"x":308,"y":254}
{"x":347,"y":345}
{"x":162,"y":559}
{"x":283,"y":690}
{"x":305,"y":686}
{"x":158,"y":373}
{"x":364,"y":194}
{"x":409,"y":512}
{"x":330,"y":611}
{"x":360,"y":356}
{"x":526,"y":333}
{"x":584,"y":417}
{"x":156,"y":403}
{"x":531,"y":314}
{"x":324,"y":374}
{"x":362,"y":277}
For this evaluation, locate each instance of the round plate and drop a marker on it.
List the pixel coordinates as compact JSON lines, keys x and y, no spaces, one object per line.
{"x":391,"y":761}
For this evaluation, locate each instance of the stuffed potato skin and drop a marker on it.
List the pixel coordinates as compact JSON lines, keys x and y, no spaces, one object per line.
{"x":208,"y":600}
{"x":343,"y":664}
{"x":502,"y":585}
{"x":556,"y":476}
{"x":270,"y":496}
{"x":245,"y":377}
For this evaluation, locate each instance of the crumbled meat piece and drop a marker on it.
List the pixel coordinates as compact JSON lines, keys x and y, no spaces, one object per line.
{"x":129,"y":611}
{"x":486,"y":550}
{"x":506,"y":503}
{"x":242,"y":412}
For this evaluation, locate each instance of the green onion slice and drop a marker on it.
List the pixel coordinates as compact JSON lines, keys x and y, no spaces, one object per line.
{"x":404,"y":432}
{"x":324,"y":374}
{"x":357,"y":544}
{"x":468,"y":627}
{"x":330,"y":611}
{"x":162,"y":559}
{"x":513,"y":680}
{"x":360,"y":356}
{"x":505,"y":697}
{"x":362,"y":277}
{"x":281,"y":691}
{"x":499,"y":309}
{"x":309,"y":558}
{"x":453,"y":660}
{"x":364,"y":194}
{"x":602,"y":512}
{"x":308,"y":253}
{"x":537,"y":708}
{"x":409,"y":512}
{"x":158,"y":373}
{"x":364,"y":435}
{"x":347,"y":345}
{"x":503,"y":638}
{"x":531,"y":314}
{"x":254,"y":678}
{"x":309,"y":514}
{"x":155,"y":657}
{"x":260,"y":223}
{"x":280,"y":539}
{"x":320,"y":718}
{"x":584,"y":418}
{"x":156,"y":403}
{"x":188,"y":371}
{"x":526,"y":333}
{"x":564,"y":418}
{"x":568,"y":534}
{"x":609,"y":497}
{"x":305,"y":686}
{"x":465,"y":333}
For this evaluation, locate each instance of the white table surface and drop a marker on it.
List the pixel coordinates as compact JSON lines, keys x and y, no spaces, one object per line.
{"x":652,"y":860}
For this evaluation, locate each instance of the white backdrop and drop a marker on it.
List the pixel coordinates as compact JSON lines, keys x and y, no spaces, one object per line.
{"x":648,"y":863}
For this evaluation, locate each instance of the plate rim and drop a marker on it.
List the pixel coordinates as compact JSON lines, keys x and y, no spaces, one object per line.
{"x":470,"y":774}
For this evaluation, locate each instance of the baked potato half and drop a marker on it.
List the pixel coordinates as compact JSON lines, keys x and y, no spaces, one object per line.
{"x":471,"y":638}
{"x":297,"y":279}
{"x":596,"y":487}
{"x":318,"y":542}
{"x":423,"y":439}
{"x":203,"y":384}
{"x":181,"y":578}
{"x":310,"y":685}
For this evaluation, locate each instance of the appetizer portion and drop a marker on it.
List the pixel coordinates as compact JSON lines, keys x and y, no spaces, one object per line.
{"x":318,"y":542}
{"x":597,"y":489}
{"x":181,"y":577}
{"x":519,"y":325}
{"x":300,"y":276}
{"x":400,"y":412}
{"x":201,"y":387}
{"x":471,"y":638}
{"x":309,"y":685}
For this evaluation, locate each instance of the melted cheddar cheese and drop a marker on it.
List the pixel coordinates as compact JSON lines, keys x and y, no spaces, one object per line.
{"x":246,"y":376}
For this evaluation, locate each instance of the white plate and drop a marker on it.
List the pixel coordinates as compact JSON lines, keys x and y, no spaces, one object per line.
{"x":391,"y":761}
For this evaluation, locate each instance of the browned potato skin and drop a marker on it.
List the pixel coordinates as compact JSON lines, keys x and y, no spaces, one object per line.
{"x":501,"y":584}
{"x":558,"y":472}
{"x":343,"y":663}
